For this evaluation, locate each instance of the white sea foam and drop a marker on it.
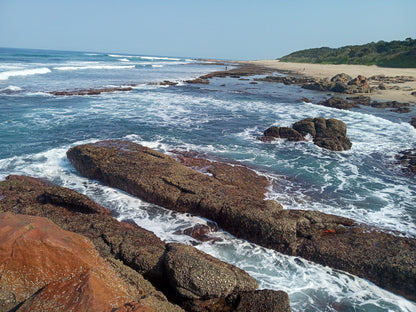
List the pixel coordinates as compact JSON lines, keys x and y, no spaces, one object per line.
{"x":124,"y":60}
{"x":25,"y":72}
{"x":11,"y":89}
{"x":153,"y":58}
{"x":157,"y":65}
{"x":71,"y":68}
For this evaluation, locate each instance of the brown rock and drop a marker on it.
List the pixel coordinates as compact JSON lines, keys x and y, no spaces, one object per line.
{"x":197,"y":275}
{"x":263,"y":300}
{"x":361,"y":83}
{"x":342,"y":78}
{"x":200,"y":231}
{"x":137,"y":248}
{"x":134,"y":306}
{"x":272,"y":132}
{"x":198,"y":80}
{"x":402,"y":110}
{"x":360,"y":100}
{"x":38,"y":255}
{"x":168,"y":83}
{"x":290,"y":134}
{"x":160,"y":179}
{"x":305,"y":126}
{"x":282,"y":132}
{"x":337,"y":102}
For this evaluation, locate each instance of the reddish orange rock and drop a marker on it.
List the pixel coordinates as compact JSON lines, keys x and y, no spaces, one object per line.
{"x":36,"y":254}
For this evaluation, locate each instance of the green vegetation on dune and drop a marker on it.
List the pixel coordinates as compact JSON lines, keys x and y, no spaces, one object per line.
{"x":387,"y":54}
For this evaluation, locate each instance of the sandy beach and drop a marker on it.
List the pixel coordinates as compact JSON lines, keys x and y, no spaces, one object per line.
{"x":395,"y":91}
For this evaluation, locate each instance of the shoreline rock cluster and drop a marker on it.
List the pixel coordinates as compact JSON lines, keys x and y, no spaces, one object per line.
{"x":338,"y":242}
{"x":60,"y":250}
{"x":327,"y":133}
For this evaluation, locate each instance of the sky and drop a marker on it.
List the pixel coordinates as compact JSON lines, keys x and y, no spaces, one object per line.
{"x":221,"y":29}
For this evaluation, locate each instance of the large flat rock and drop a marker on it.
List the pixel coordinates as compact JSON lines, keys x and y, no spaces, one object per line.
{"x":131,"y":251}
{"x":384,"y":259}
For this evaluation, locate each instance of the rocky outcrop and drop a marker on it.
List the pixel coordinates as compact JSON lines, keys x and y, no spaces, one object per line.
{"x":90,"y":91}
{"x":198,"y":81}
{"x":359,"y":85}
{"x":337,"y":102}
{"x":341,"y":83}
{"x":138,"y":252}
{"x":384,"y":259}
{"x":341,"y":78}
{"x":327,"y":133}
{"x":284,"y":133}
{"x":407,"y":159}
{"x":40,"y":262}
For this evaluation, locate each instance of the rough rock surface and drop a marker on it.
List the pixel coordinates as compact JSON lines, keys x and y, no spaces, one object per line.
{"x":326,"y":239}
{"x":41,"y":260}
{"x":139,"y":250}
{"x":327,"y":133}
{"x":263,"y":300}
{"x":337,"y":102}
{"x":197,"y":275}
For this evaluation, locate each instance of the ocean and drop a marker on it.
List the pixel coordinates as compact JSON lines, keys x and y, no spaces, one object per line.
{"x":222,"y":120}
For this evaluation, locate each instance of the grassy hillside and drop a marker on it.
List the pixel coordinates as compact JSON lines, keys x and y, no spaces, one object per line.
{"x":388,"y":54}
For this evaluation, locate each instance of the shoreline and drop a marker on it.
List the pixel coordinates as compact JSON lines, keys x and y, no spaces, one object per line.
{"x":395,"y":91}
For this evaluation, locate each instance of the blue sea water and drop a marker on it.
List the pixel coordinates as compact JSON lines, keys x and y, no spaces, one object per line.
{"x":37,"y":128}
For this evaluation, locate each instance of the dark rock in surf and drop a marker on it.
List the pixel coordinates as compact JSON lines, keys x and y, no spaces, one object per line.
{"x":198,"y":81}
{"x":413,"y":122}
{"x":90,"y":91}
{"x":330,"y":240}
{"x":201,"y":231}
{"x":337,"y":102}
{"x":407,"y":159}
{"x":327,"y":133}
{"x":284,"y":133}
{"x":402,"y":110}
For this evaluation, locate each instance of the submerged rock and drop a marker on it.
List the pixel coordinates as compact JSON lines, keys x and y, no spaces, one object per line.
{"x":331,"y":240}
{"x":201,"y":232}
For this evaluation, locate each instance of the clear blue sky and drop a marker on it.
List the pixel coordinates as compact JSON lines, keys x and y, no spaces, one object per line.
{"x":228,"y":29}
